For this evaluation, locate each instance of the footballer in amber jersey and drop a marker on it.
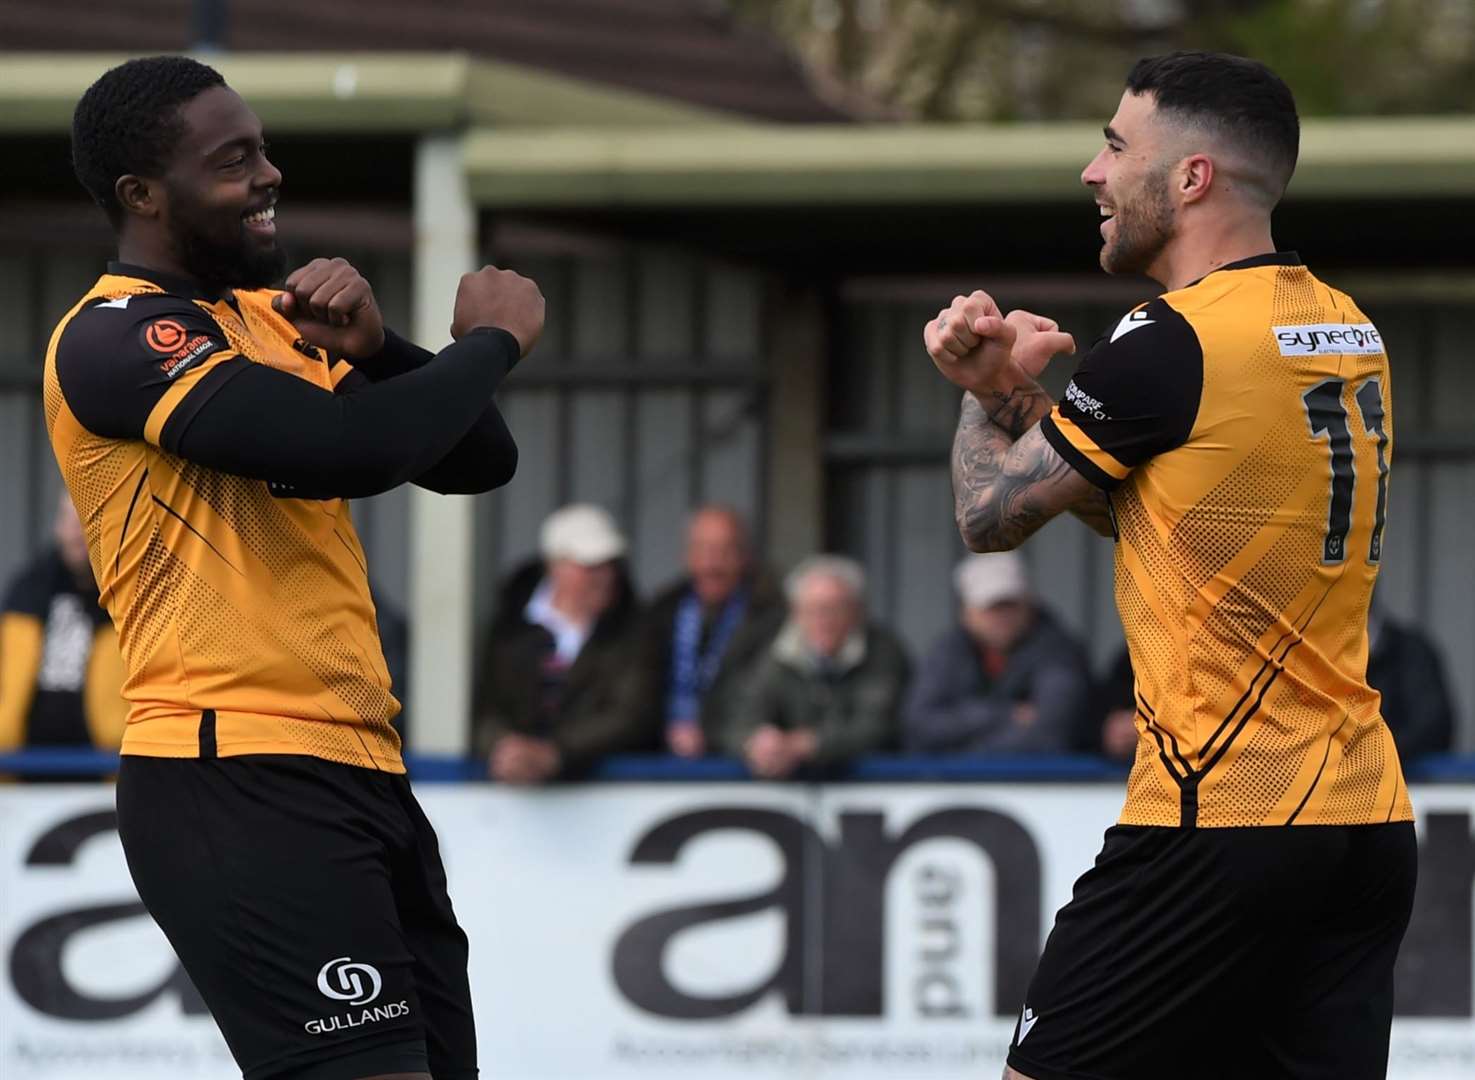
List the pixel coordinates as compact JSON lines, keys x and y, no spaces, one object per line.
{"x":1244,"y":428}
{"x":212,"y":431}
{"x":1234,"y":436}
{"x":243,"y":614}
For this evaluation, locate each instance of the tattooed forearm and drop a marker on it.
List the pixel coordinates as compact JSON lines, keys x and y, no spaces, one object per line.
{"x":979,"y":448}
{"x":1019,"y":408}
{"x":1004,"y":490}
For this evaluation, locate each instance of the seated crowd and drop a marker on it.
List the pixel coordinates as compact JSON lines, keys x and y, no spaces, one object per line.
{"x":726,"y":660}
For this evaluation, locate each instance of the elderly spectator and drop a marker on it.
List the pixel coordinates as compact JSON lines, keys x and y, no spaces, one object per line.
{"x":1006,"y":679}
{"x":829,"y":686}
{"x":701,"y":634}
{"x":61,"y":675}
{"x":556,"y":645}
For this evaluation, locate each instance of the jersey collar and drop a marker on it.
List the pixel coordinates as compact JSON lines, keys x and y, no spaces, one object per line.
{"x":1270,"y":258}
{"x":173,"y":284}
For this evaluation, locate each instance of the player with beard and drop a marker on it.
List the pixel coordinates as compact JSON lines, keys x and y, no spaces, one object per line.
{"x":1234,"y":436}
{"x":210,"y":430}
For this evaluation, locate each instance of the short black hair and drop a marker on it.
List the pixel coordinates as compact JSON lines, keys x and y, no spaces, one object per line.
{"x":1238,"y":99}
{"x":128,"y":122}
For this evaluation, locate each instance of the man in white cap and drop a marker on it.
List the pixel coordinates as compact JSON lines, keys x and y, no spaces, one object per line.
{"x":555,"y":648}
{"x":1006,"y":679}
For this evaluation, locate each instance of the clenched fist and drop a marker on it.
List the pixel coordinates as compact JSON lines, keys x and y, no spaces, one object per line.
{"x":502,"y":298}
{"x":332,"y":306}
{"x":977,"y":348}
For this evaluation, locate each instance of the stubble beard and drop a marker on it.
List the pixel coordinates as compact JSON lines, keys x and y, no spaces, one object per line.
{"x":1143,"y":228}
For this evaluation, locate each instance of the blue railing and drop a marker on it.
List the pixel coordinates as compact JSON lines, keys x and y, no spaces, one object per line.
{"x":1436,"y":768}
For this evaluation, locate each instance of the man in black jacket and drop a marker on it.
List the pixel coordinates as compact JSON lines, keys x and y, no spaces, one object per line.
{"x":555,"y":652}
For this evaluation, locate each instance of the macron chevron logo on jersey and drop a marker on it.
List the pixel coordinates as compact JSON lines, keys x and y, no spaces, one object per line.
{"x":121,"y":303}
{"x":1132,"y":321}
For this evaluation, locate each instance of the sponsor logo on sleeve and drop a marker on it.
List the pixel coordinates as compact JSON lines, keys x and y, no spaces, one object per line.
{"x":178,"y":349}
{"x":1085,"y":403}
{"x":1329,"y":339}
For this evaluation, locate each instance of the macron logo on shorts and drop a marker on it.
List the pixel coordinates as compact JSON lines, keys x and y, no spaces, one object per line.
{"x":1329,"y":339}
{"x":1027,"y":1021}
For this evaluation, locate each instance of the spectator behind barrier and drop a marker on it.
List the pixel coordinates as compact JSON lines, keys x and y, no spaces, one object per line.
{"x":1007,"y":678}
{"x":828,"y":688}
{"x":61,"y":674}
{"x":556,"y":646}
{"x":1405,"y":667}
{"x":700,"y":636}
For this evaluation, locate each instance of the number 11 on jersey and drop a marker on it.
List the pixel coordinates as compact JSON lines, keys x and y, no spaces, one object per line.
{"x":1326,"y":414}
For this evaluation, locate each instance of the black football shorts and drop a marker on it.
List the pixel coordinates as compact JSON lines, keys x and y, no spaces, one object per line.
{"x":307,"y":903}
{"x":1224,"y":954}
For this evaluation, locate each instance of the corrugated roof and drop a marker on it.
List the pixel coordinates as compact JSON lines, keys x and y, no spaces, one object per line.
{"x":679,"y":49}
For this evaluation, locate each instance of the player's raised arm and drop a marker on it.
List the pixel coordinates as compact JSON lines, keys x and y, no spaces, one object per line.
{"x":333,"y":307}
{"x":228,"y":413}
{"x":1007,"y":481}
{"x":1004,"y":491}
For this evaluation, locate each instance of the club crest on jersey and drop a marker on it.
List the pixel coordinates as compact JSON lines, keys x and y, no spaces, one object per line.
{"x":179,"y":350}
{"x":307,"y":349}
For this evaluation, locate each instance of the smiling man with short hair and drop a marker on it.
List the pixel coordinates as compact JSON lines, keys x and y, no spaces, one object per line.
{"x":1234,"y":435}
{"x":210,"y":431}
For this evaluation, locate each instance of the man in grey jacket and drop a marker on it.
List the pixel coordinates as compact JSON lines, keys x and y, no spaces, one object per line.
{"x":830,"y":685}
{"x":1006,"y":679}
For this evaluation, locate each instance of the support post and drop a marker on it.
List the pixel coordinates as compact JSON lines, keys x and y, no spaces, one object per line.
{"x":442,"y":527}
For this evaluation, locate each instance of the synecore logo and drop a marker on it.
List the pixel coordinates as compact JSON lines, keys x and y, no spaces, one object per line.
{"x":1329,"y":339}
{"x":350,"y":986}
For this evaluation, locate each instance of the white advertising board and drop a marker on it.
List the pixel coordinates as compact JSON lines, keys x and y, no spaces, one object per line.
{"x":687,"y":930}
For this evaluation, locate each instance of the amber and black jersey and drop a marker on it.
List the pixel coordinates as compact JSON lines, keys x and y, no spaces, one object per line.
{"x":210,"y":452}
{"x":1243,"y":429}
